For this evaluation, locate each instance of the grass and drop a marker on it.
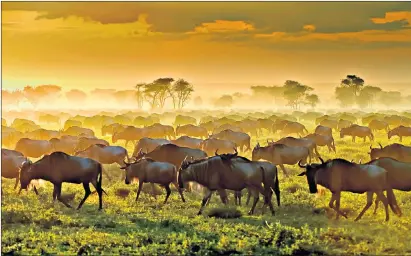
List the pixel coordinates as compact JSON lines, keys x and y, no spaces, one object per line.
{"x":303,"y":224}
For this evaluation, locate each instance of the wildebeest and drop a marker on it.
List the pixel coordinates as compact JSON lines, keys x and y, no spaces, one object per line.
{"x":69,"y":123}
{"x":224,"y":127}
{"x":396,"y":151}
{"x":241,"y":139}
{"x":173,"y":154}
{"x":295,"y":142}
{"x":76,"y":131}
{"x":280,"y":154}
{"x":341,"y":175}
{"x":148,"y":170}
{"x":214,"y":173}
{"x":323,"y":130}
{"x":323,"y":140}
{"x":11,"y":161}
{"x":43,"y":134}
{"x":399,"y":175}
{"x":112,"y":128}
{"x":192,"y":130}
{"x":58,"y":167}
{"x":148,"y":144}
{"x":33,"y":148}
{"x":376,"y":125}
{"x":105,"y":154}
{"x":294,"y":128}
{"x":333,"y":124}
{"x":85,"y":142}
{"x":212,"y":145}
{"x":186,"y":141}
{"x":66,"y":144}
{"x":183,"y":120}
{"x":357,"y":131}
{"x":343,"y":124}
{"x":400,"y":131}
{"x":130,"y":133}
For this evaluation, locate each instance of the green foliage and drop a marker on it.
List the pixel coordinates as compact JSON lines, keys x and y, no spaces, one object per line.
{"x":312,"y":100}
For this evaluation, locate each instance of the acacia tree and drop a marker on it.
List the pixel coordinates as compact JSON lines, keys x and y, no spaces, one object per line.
{"x":312,"y":100}
{"x":391,"y":98}
{"x":294,"y":93}
{"x":272,"y":93}
{"x":77,"y":96}
{"x":224,"y":101}
{"x":349,"y":90}
{"x":37,"y":94}
{"x":367,"y":96}
{"x":140,"y":94}
{"x":158,"y":91}
{"x":181,"y":92}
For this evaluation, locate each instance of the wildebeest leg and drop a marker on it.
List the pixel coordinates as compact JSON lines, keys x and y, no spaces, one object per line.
{"x":384,"y":200}
{"x":365,"y":138}
{"x":87,"y":192}
{"x":140,"y":186}
{"x":54,"y":194}
{"x":256,"y":198}
{"x":223,"y":196}
{"x":353,"y":138}
{"x":153,"y":188}
{"x":248,"y":197}
{"x":400,"y":138}
{"x":206,"y":198}
{"x":35,"y":190}
{"x":180,"y":192}
{"x":368,"y":205}
{"x":377,"y":200}
{"x":57,"y":187}
{"x":284,"y":170}
{"x":16,"y":184}
{"x":168,"y":190}
{"x":334,"y":197}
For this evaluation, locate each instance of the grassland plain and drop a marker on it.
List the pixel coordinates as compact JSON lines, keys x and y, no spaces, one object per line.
{"x":302,"y":225}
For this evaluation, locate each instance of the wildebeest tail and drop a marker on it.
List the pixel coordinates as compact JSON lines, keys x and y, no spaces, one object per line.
{"x":305,"y":129}
{"x":277,"y":187}
{"x":333,"y":144}
{"x":392,"y":202}
{"x":372,"y":136}
{"x":248,"y":144}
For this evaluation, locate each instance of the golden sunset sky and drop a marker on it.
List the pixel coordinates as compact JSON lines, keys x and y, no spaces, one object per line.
{"x":226,"y":46}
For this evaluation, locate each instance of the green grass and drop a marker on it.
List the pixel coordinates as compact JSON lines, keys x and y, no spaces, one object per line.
{"x":302,"y":225}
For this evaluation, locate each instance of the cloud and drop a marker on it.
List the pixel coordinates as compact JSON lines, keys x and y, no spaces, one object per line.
{"x":34,"y":22}
{"x":222,"y":26}
{"x":394,"y":16}
{"x":309,"y":27}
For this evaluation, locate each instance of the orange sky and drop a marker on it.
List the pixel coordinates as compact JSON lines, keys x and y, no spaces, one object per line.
{"x":115,"y":45}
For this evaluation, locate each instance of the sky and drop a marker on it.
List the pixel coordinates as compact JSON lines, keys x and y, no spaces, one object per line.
{"x":223,"y":46}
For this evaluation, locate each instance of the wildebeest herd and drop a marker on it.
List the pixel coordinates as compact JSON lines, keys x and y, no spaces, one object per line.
{"x":206,"y":153}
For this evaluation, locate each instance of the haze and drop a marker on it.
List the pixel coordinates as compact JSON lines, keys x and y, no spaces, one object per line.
{"x":220,"y":48}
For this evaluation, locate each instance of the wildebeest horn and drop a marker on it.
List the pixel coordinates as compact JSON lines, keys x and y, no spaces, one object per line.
{"x":216,"y":152}
{"x":185,"y":159}
{"x":380,"y":145}
{"x":236,"y":152}
{"x":302,"y":166}
{"x":370,"y":146}
{"x":322,"y":161}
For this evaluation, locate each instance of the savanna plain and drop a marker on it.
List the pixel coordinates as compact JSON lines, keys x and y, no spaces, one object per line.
{"x":302,"y":225}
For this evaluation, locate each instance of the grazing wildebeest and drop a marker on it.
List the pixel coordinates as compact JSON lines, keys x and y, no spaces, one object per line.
{"x":396,"y":151}
{"x":148,"y":170}
{"x":148,"y":144}
{"x":76,"y":131}
{"x":69,"y":123}
{"x":105,"y":154}
{"x":183,"y":120}
{"x":58,"y":167}
{"x":343,"y":124}
{"x":231,"y":127}
{"x":376,"y":125}
{"x":112,"y":128}
{"x":11,"y":161}
{"x":130,"y":133}
{"x":192,"y":130}
{"x":241,"y":139}
{"x":85,"y":142}
{"x":33,"y":148}
{"x":357,"y":131}
{"x":294,"y":128}
{"x":223,"y":146}
{"x":280,"y":154}
{"x":323,"y":130}
{"x":323,"y":140}
{"x":399,"y":175}
{"x":186,"y":141}
{"x":215,"y":173}
{"x":341,"y":175}
{"x":173,"y":154}
{"x":295,"y":142}
{"x":333,"y":124}
{"x":400,"y":131}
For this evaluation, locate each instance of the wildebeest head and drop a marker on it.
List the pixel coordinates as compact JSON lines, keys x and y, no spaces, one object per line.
{"x":342,"y":132}
{"x":310,"y":172}
{"x":256,"y":152}
{"x":128,"y":169}
{"x":390,"y":134}
{"x":375,"y":152}
{"x":227,"y":157}
{"x":183,"y":169}
{"x":25,"y":174}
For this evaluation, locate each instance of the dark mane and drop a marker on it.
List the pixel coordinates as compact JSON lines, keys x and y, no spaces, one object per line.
{"x":279,"y":145}
{"x":196,"y":161}
{"x":340,"y":161}
{"x":244,"y":158}
{"x":100,"y":145}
